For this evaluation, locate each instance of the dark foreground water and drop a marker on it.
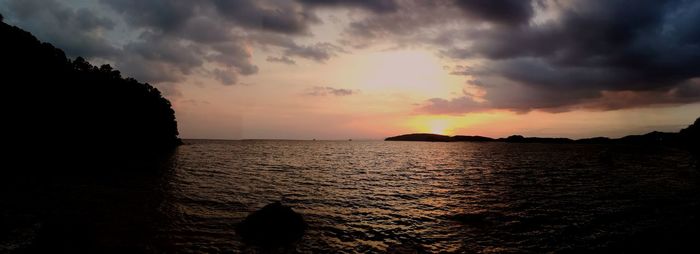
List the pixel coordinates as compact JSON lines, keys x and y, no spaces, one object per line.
{"x":372,"y":196}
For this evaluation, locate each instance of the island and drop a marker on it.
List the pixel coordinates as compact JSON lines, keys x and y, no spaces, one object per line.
{"x":687,"y":138}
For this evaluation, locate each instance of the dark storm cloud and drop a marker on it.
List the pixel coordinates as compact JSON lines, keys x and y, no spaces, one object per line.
{"x":510,"y":12}
{"x":378,"y":6}
{"x":327,"y":90}
{"x":319,"y":52}
{"x":171,"y":15}
{"x":173,"y":37}
{"x":233,"y":54}
{"x":162,"y":15}
{"x":551,"y":55}
{"x":157,"y":48}
{"x":602,"y":51}
{"x":50,"y":21}
{"x":215,"y":30}
{"x":276,"y":16}
{"x":689,"y":89}
{"x":414,"y":22}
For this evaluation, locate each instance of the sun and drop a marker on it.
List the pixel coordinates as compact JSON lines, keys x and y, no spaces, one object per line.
{"x":430,"y":124}
{"x":452,"y":125}
{"x":438,"y":126}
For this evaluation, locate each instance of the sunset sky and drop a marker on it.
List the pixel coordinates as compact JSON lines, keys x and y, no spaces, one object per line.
{"x":333,"y":69}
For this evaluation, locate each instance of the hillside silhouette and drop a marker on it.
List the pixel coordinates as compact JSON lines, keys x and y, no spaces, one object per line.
{"x":688,"y":138}
{"x":691,"y":137}
{"x":71,"y":110}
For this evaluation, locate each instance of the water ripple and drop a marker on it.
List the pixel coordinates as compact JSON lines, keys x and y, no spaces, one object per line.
{"x":363,"y":197}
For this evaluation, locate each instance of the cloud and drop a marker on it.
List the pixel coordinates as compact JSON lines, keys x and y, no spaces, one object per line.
{"x":415,"y":22}
{"x":281,"y":59}
{"x":166,"y":40}
{"x":171,"y":15}
{"x":215,"y":32}
{"x":377,"y":6}
{"x":464,"y":104}
{"x":510,"y":12}
{"x":143,"y":69}
{"x":73,"y":30}
{"x":222,"y":32}
{"x":319,"y":52}
{"x":327,"y":90}
{"x":613,"y":100}
{"x":589,"y":57}
{"x":276,"y":16}
{"x":548,"y":55}
{"x":157,"y":48}
{"x":232,"y":54}
{"x":226,"y":77}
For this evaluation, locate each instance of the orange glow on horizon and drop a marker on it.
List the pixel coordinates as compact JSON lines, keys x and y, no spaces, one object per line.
{"x":438,"y":126}
{"x":471,"y":124}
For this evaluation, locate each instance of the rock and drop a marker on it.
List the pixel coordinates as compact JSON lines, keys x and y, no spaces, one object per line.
{"x":272,"y":226}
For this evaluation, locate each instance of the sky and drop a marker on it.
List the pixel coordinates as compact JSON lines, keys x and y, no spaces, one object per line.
{"x":369,"y":69}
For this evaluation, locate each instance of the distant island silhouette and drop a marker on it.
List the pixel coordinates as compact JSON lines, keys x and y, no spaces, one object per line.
{"x":71,"y":110}
{"x":686,"y":138}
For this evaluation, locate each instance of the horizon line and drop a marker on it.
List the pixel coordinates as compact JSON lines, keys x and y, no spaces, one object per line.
{"x":381,"y":139}
{"x":413,"y":133}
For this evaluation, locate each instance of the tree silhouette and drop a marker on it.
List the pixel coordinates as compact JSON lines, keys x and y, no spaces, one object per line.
{"x":691,"y":138}
{"x":72,"y":109}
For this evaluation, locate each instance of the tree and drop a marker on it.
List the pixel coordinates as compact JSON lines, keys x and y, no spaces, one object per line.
{"x":90,"y":111}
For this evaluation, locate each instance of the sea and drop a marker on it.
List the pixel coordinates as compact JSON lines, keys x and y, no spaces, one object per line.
{"x":368,"y":197}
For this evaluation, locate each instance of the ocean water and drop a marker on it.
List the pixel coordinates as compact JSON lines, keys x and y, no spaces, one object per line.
{"x":375,"y":197}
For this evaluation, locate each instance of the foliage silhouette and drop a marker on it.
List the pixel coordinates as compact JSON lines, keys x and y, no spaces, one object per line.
{"x":71,"y":110}
{"x":691,"y":137}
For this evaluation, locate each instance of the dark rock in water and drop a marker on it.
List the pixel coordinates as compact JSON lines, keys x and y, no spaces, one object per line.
{"x":272,"y":226}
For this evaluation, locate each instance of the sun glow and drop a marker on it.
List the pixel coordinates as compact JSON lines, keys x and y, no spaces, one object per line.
{"x":437,"y":126}
{"x":472,"y":124}
{"x":414,"y":71}
{"x":432,"y":124}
